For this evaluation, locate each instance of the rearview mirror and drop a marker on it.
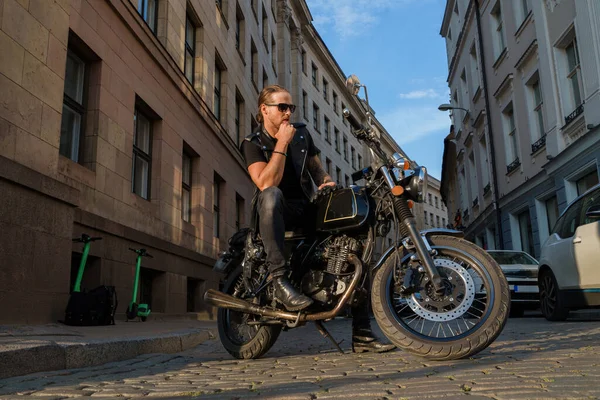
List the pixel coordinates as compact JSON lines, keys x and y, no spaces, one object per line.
{"x":353,"y":84}
{"x":593,"y":212}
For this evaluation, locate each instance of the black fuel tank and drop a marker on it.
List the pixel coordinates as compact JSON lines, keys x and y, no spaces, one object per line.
{"x":344,"y":209}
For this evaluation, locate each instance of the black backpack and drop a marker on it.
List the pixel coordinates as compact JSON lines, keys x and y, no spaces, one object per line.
{"x":96,"y":307}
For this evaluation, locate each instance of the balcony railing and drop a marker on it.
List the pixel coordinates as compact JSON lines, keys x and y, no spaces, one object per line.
{"x":486,"y":189}
{"x":541,"y":142}
{"x":569,"y":118}
{"x":513,"y":165}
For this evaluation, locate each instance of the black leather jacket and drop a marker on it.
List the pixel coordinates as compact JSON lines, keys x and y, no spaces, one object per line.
{"x":297,"y":150}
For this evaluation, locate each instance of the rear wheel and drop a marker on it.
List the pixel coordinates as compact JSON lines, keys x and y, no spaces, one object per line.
{"x":550,"y":301}
{"x":239,"y":332}
{"x":459,"y":323}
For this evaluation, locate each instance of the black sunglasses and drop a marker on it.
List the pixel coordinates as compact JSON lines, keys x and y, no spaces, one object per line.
{"x":283,"y":107}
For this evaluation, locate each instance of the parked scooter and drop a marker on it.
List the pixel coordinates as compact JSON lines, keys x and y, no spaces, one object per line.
{"x":96,"y":307}
{"x":134,"y":309}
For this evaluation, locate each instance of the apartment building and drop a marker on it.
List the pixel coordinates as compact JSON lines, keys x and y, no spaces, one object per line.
{"x":434,"y":212}
{"x":525,"y":88}
{"x":122,"y":119}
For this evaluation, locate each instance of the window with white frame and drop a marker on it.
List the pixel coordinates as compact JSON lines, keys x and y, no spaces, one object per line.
{"x":537,"y":111}
{"x":512,"y":151}
{"x":498,"y":30}
{"x":574,"y":73}
{"x":521,"y":11}
{"x":474,"y":69}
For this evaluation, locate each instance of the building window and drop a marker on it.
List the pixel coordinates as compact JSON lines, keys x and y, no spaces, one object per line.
{"x":142,"y":154}
{"x":326,"y":127}
{"x":305,"y":105}
{"x":521,"y":11}
{"x":314,"y":75}
{"x":338,"y":175}
{"x":325,"y":89}
{"x":431,"y":219}
{"x":186,"y":187}
{"x":274,"y":54}
{"x":218,"y":184}
{"x":239,"y":117}
{"x":444,"y":223}
{"x":190,"y":49}
{"x":538,"y":115}
{"x":347,"y":180}
{"x":240,"y":29}
{"x":328,"y":166}
{"x":344,"y":119}
{"x":335,"y":102}
{"x":474,"y":69}
{"x":425,"y":214}
{"x":429,"y":199}
{"x":336,"y":139}
{"x":148,"y":9}
{"x":316,"y":117}
{"x":472,"y":179}
{"x":345,"y":148}
{"x":512,"y":152}
{"x":526,"y":232}
{"x":586,"y":182}
{"x":254,"y":64}
{"x":303,"y":60}
{"x":498,"y":33}
{"x":218,"y":95}
{"x":240,"y":206}
{"x":360,"y":166}
{"x":437,"y":221}
{"x":551,"y":212}
{"x":71,"y":129}
{"x":352,"y":154}
{"x":574,"y":73}
{"x":265,"y":26}
{"x":483,"y":157}
{"x":436,"y":202}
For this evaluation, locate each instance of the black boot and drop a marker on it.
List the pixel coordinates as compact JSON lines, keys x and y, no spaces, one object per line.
{"x":286,"y":294}
{"x":364,"y":340}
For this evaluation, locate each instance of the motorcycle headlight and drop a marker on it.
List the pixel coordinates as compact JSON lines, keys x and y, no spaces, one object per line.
{"x":400,"y":162}
{"x":417,"y":186}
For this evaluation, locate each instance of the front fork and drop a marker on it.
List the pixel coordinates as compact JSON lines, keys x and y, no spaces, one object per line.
{"x":423,"y":250}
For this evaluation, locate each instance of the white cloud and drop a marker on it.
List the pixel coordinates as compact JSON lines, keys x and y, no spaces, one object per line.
{"x":408,"y":124}
{"x":349,"y":18}
{"x":421,"y":94}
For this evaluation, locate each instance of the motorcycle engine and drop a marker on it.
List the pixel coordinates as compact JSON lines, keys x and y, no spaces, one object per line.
{"x":330,"y":275}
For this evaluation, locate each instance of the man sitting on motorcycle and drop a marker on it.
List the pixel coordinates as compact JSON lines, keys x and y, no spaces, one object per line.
{"x":283,"y":163}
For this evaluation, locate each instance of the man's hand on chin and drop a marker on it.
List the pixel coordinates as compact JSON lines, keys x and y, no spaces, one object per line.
{"x":326,"y":184}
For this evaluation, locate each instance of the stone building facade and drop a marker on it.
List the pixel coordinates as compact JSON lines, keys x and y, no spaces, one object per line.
{"x":524,"y":77}
{"x":123,"y":118}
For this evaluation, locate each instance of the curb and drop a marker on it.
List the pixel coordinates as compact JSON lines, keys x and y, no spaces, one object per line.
{"x":42,"y":355}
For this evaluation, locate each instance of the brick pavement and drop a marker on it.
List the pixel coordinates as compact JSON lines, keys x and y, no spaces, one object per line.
{"x":532,"y":359}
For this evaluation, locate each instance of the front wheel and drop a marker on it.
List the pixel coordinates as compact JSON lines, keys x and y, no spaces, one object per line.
{"x":458,"y":323}
{"x":240,"y":333}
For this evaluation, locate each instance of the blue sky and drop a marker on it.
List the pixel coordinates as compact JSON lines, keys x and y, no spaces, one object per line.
{"x":395,"y":48}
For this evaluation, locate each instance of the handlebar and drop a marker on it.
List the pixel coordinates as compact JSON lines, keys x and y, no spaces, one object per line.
{"x":352,"y":120}
{"x":141,"y":252}
{"x":85,"y":239}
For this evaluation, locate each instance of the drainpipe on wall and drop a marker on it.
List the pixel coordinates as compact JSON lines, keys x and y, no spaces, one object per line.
{"x":489,"y":126}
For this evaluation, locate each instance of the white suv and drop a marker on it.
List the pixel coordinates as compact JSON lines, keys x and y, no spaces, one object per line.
{"x":569,"y":275}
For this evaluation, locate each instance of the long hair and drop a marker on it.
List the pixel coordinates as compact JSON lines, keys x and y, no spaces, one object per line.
{"x":265,"y":96}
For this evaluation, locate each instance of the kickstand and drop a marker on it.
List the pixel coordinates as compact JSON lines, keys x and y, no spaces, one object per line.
{"x":327,"y":335}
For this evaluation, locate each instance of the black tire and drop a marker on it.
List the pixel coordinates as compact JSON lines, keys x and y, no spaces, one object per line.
{"x":516,"y":311}
{"x":550,"y":299}
{"x":262,"y":337}
{"x":486,"y":324}
{"x":131,"y":314}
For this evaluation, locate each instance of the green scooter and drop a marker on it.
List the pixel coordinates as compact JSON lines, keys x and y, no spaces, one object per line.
{"x":134,"y":309}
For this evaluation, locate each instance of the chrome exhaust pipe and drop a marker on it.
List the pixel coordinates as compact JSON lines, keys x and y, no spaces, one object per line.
{"x":223,"y":300}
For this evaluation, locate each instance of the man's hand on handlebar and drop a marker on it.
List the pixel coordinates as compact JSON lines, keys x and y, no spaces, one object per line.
{"x":326,"y":184}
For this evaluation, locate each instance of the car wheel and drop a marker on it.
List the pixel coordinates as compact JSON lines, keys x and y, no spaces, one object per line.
{"x":550,"y":301}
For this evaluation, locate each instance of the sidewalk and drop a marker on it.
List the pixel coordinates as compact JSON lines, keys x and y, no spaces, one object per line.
{"x":25,"y":349}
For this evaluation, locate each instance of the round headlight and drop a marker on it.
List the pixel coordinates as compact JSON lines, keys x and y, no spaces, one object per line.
{"x":417,"y":186}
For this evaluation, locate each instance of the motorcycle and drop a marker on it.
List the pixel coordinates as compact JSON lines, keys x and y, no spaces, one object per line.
{"x":432,"y":293}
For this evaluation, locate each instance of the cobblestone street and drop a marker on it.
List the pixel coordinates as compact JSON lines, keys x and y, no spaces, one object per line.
{"x":532,"y":358}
